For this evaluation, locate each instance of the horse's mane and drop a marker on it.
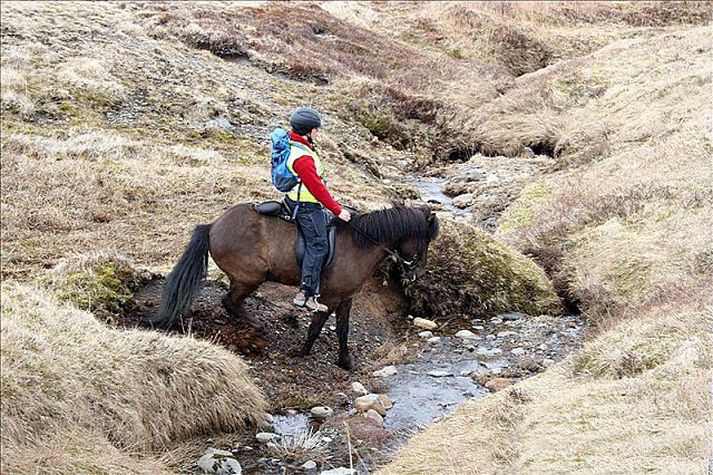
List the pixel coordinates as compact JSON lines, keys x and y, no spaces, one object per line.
{"x":391,"y":224}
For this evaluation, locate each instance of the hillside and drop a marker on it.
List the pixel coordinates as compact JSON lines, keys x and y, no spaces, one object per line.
{"x":577,"y":137}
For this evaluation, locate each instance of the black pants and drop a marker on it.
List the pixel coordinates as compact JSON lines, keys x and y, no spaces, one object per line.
{"x":313,"y":225}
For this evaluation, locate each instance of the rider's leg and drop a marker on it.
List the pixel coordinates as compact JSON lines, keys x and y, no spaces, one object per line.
{"x":313,"y":225}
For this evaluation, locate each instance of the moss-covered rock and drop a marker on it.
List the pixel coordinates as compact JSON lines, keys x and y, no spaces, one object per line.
{"x":469,"y":273}
{"x":101,"y":283}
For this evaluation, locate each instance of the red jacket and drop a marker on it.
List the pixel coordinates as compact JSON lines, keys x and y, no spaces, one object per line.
{"x":307,"y":172}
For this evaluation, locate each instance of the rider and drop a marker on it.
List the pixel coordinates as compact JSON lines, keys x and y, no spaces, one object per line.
{"x":309,"y":195}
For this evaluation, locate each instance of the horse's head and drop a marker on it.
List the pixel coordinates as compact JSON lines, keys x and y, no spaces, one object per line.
{"x":413,"y":250}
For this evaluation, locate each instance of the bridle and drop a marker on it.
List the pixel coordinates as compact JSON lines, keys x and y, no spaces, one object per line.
{"x":405,"y":264}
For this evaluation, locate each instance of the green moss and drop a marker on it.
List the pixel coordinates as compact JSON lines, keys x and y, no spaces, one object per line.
{"x":469,"y":273}
{"x":99,"y":289}
{"x":520,"y":214}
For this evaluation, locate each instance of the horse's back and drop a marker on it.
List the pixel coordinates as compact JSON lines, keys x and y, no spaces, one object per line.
{"x":245,"y":243}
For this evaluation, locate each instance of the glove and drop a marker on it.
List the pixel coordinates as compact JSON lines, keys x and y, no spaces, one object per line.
{"x":345,"y":215}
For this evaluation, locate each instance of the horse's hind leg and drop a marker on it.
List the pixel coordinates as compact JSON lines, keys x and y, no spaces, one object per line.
{"x":315,"y":328}
{"x":233,"y":302}
{"x":343,"y":311}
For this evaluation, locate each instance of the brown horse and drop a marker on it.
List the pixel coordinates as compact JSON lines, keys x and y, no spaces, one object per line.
{"x":251,"y":249}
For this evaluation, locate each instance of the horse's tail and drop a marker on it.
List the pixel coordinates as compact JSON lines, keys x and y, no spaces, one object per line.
{"x":185,"y":279}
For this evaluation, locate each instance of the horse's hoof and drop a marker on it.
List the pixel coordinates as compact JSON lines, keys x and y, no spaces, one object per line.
{"x":302,"y":353}
{"x":345,"y":363}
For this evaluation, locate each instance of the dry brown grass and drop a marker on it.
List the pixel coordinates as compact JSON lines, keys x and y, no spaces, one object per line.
{"x":64,"y":372}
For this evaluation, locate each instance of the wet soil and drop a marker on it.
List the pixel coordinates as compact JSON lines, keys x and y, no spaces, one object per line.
{"x":432,"y":379}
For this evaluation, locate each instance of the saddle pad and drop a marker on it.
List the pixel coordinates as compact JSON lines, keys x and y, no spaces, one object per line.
{"x":280,"y":209}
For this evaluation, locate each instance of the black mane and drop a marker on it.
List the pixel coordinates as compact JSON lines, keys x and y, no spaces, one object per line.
{"x":392,"y":224}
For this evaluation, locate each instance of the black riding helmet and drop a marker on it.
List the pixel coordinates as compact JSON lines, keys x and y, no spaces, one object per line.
{"x":304,"y":119}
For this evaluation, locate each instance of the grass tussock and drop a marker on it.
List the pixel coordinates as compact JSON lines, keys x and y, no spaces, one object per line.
{"x":64,"y":373}
{"x":469,"y":273}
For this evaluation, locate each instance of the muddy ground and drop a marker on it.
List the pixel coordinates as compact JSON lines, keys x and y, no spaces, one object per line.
{"x":434,"y":375}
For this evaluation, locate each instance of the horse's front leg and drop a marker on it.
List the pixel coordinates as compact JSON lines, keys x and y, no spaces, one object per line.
{"x":315,"y":328}
{"x":343,"y":311}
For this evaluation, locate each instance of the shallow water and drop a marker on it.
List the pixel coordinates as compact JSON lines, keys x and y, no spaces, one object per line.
{"x":431,"y":191}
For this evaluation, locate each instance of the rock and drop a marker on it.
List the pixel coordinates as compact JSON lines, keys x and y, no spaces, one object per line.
{"x":511,"y":316}
{"x":375,"y":416}
{"x":309,"y":465}
{"x":219,"y":123}
{"x":220,"y":462}
{"x":497,"y":384}
{"x":265,"y":437}
{"x":321,"y":412}
{"x":425,"y":334}
{"x":439,"y":373}
{"x":386,"y":371}
{"x":506,"y":334}
{"x":478,"y":327}
{"x":358,"y":388}
{"x":386,"y":401}
{"x":467,"y":335}
{"x":434,"y":339}
{"x":518,"y":351}
{"x":339,"y":471}
{"x":425,"y":324}
{"x":496,"y":321}
{"x":463,"y":201}
{"x":291,"y":412}
{"x":547,"y":362}
{"x":370,"y":401}
{"x":527,"y":152}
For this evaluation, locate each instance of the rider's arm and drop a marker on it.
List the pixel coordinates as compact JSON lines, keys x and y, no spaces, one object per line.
{"x":304,"y":166}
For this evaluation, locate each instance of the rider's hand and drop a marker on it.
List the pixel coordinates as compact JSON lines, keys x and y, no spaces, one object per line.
{"x":345,"y":215}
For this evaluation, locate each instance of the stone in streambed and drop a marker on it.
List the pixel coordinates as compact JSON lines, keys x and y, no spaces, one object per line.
{"x":386,"y":401}
{"x":370,"y":401}
{"x":321,"y":412}
{"x":358,"y":388}
{"x":265,"y":437}
{"x":375,"y":416}
{"x":439,"y":374}
{"x":219,"y":462}
{"x":425,"y":334}
{"x":467,"y":335}
{"x":339,"y":471}
{"x":425,"y":324}
{"x":386,"y":371}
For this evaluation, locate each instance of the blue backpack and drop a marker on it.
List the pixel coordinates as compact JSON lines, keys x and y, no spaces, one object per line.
{"x":283,"y":179}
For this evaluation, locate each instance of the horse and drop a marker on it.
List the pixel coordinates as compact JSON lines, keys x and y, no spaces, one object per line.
{"x":252,"y":248}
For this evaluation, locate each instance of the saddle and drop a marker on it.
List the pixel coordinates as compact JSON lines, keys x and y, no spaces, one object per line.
{"x":281,"y":210}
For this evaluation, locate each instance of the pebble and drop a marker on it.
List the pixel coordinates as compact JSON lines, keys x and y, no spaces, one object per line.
{"x":425,"y":334}
{"x":496,"y":321}
{"x":386,"y":401}
{"x":265,"y":437}
{"x":496,"y":384}
{"x":310,"y":465}
{"x":386,"y":371}
{"x":370,"y":401}
{"x":321,"y":412}
{"x":478,"y":327}
{"x":425,"y":324}
{"x":434,"y":339}
{"x":375,"y":416}
{"x":220,"y":462}
{"x":488,"y":351}
{"x":266,"y":423}
{"x":518,"y":351}
{"x":506,"y":334}
{"x":358,"y":388}
{"x":467,"y":335}
{"x":547,"y":362}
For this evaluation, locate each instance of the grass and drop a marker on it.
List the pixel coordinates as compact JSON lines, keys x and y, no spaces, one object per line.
{"x":66,"y":376}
